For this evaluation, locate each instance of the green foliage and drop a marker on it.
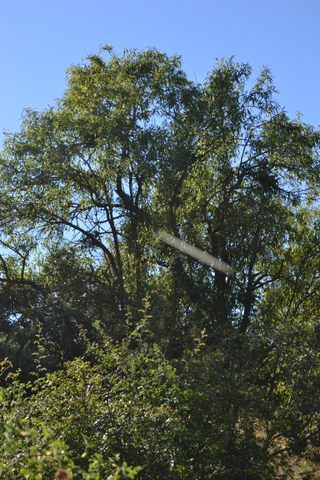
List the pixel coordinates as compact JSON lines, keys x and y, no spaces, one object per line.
{"x":126,"y":347}
{"x":36,"y":454}
{"x":210,"y":413}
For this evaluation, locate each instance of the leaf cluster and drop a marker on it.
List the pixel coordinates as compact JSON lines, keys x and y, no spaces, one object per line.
{"x":126,"y":346}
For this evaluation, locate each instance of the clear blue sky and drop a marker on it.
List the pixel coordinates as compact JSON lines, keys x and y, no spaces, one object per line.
{"x":40,"y":39}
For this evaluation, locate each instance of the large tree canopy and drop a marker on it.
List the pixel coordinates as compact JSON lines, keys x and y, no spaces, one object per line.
{"x":134,"y":146}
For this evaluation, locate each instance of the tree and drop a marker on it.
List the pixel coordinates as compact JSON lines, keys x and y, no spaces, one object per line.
{"x":133,"y":147}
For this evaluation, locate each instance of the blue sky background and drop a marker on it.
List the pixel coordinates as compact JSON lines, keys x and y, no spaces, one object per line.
{"x":40,"y":39}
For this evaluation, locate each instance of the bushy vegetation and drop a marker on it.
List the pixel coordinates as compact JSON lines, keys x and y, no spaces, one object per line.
{"x":122,"y":357}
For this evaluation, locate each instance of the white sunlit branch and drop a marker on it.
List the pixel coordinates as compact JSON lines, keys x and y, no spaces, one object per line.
{"x":195,"y":252}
